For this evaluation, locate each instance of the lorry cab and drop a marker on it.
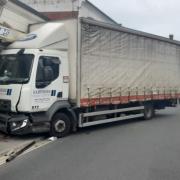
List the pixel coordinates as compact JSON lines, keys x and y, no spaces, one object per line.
{"x":31,"y":80}
{"x":36,"y":74}
{"x":33,"y":76}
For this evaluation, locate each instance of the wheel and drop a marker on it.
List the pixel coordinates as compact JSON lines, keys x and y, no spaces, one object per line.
{"x":148,"y":111}
{"x":60,"y":125}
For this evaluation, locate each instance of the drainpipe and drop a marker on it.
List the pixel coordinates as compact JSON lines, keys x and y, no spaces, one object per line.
{"x":2,"y":4}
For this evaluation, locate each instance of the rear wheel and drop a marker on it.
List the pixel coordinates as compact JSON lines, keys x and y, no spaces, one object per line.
{"x":60,"y":125}
{"x":149,"y":111}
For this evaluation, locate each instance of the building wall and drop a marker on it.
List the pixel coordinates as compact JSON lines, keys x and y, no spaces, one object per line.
{"x":59,"y":9}
{"x":87,"y":10}
{"x":61,"y":15}
{"x":17,"y":18}
{"x":53,"y":5}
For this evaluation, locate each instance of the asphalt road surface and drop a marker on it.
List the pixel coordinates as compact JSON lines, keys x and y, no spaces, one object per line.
{"x":132,"y":150}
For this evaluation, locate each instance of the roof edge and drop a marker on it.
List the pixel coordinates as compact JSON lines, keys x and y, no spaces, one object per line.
{"x":117,"y":27}
{"x":28,"y":8}
{"x":101,"y":11}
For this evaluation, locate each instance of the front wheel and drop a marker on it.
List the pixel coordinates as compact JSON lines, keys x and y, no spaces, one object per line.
{"x":60,"y":125}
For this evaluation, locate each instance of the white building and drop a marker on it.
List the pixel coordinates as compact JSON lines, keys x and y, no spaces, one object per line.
{"x":15,"y":18}
{"x":63,"y":9}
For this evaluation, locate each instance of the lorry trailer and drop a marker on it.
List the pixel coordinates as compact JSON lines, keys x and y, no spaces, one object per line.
{"x":77,"y":73}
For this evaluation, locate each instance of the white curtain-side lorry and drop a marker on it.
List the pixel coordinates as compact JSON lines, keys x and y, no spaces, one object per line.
{"x":71,"y":74}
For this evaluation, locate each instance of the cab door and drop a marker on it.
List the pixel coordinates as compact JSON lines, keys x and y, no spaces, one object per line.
{"x":48,"y":83}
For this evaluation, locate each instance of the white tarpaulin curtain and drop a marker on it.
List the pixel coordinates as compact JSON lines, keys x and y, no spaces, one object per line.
{"x":115,"y":62}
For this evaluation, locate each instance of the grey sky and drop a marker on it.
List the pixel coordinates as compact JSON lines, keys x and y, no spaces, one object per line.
{"x":160,"y":17}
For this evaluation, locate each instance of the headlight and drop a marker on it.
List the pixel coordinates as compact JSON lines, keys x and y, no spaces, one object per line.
{"x":18,"y":125}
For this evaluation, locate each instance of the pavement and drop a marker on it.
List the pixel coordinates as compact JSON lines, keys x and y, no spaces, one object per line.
{"x":8,"y":143}
{"x":130,"y":150}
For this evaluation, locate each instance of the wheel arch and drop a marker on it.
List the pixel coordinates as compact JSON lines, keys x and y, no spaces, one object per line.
{"x":63,"y":107}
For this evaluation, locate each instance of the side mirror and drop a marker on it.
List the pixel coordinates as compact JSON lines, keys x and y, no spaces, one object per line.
{"x":48,"y":74}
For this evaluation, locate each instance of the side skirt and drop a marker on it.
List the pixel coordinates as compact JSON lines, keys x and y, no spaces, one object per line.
{"x":83,"y":123}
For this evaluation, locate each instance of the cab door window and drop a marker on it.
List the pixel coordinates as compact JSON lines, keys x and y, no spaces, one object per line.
{"x":47,"y":71}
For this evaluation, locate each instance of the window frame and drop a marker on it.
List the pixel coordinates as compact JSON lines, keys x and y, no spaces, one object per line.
{"x":47,"y":83}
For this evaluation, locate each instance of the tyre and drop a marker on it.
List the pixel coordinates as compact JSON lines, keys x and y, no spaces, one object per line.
{"x":149,"y":111}
{"x":60,"y":125}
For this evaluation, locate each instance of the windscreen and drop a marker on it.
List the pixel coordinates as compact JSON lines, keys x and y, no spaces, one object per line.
{"x":15,"y":68}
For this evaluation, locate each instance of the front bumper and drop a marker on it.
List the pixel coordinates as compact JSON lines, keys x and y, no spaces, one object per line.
{"x":8,"y":122}
{"x":3,"y":123}
{"x":21,"y":125}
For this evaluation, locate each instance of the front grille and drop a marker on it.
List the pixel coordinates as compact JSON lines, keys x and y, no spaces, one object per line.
{"x":2,"y":122}
{"x":5,"y":105}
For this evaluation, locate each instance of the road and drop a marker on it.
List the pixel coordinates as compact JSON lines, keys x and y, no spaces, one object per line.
{"x":132,"y":150}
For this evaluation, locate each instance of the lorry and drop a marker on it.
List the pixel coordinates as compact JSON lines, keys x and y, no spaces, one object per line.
{"x":76,"y":73}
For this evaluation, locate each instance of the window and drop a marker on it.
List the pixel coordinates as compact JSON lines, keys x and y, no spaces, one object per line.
{"x":15,"y":68}
{"x":47,"y":71}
